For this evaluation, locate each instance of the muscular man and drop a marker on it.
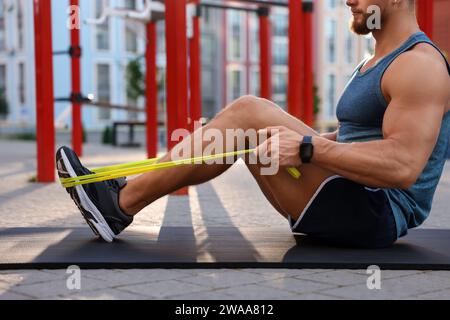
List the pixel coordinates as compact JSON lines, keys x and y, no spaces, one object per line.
{"x":364,"y":185}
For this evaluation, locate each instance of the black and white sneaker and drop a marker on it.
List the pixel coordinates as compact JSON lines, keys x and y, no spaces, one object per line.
{"x":98,"y":202}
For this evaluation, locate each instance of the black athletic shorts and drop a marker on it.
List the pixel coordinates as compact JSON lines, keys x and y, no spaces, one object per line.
{"x":345,"y":213}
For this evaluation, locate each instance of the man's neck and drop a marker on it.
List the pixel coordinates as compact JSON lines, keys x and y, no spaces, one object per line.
{"x":393,"y":34}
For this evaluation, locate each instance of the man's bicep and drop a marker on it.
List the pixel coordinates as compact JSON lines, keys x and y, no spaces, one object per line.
{"x":414,"y":115}
{"x":414,"y":129}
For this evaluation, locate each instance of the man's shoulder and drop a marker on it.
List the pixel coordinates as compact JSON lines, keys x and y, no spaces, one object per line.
{"x":419,"y":68}
{"x":421,"y":58}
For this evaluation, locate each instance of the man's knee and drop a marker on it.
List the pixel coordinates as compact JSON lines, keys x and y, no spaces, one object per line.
{"x":245,"y":106}
{"x":245,"y":103}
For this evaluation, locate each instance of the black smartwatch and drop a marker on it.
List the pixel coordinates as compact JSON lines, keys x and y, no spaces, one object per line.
{"x":306,"y":149}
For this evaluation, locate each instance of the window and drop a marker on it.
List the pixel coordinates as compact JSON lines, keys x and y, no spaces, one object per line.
{"x":254,"y":39}
{"x":235,"y":83}
{"x":330,"y":30}
{"x":20,"y":28}
{"x":21,"y":75}
{"x":208,"y":48}
{"x":3,"y":79}
{"x":161,"y":43}
{"x":207,"y":81}
{"x":206,"y":16}
{"x":255,"y":82}
{"x":280,"y":24}
{"x":280,"y":51}
{"x":104,"y":89}
{"x":131,"y":39}
{"x":2,"y":26}
{"x":102,"y":30}
{"x":236,"y":35}
{"x":331,"y":4}
{"x":349,"y":47}
{"x":279,"y":83}
{"x":331,"y":95}
{"x":208,"y":96}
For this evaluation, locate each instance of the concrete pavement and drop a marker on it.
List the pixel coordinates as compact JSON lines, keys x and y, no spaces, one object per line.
{"x":23,"y":204}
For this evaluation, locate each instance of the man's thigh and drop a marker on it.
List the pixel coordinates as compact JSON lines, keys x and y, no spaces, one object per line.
{"x":288,"y":195}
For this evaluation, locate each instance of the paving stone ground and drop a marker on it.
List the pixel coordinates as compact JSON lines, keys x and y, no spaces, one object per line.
{"x":23,"y":204}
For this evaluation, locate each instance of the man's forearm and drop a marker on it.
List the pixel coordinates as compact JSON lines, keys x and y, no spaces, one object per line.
{"x":373,"y":163}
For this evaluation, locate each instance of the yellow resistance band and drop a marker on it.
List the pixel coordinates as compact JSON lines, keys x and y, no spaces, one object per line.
{"x":134,"y":168}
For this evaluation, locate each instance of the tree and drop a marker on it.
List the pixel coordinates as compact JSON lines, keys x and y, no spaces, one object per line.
{"x":316,"y":101}
{"x":135,"y":80}
{"x":4,"y":107}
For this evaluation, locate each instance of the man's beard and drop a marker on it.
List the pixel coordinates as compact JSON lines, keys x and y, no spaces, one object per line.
{"x":360,"y":27}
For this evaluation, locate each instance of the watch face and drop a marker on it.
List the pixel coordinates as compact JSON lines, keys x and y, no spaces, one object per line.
{"x":306,"y":152}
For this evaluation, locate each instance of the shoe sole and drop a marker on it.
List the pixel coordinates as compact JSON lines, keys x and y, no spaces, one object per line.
{"x":86,"y":206}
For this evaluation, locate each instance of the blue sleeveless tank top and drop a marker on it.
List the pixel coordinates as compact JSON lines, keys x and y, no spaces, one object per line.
{"x":360,"y":112}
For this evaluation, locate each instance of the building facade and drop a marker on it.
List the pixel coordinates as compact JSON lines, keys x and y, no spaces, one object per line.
{"x":230,"y":58}
{"x":337,"y":52}
{"x":17,"y":60}
{"x":107,"y":49}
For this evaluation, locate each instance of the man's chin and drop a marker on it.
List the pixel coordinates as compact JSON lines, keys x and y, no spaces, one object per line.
{"x":360,"y":29}
{"x":361,"y":32}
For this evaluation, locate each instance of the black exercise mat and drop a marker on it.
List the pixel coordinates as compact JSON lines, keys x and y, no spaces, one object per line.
{"x":184,"y":247}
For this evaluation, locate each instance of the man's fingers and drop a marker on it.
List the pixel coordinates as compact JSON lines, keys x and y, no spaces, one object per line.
{"x":268,"y":147}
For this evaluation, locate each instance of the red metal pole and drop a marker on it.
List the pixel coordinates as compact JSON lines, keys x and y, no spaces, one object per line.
{"x":45,"y":130}
{"x":151,"y":91}
{"x":177,"y":70}
{"x":425,"y":15}
{"x":296,"y":59}
{"x":265,"y":43}
{"x":308,"y":96}
{"x":195,"y":82}
{"x":77,"y":127}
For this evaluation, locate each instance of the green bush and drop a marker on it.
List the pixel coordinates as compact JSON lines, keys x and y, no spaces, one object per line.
{"x":25,"y":136}
{"x":4,"y":108}
{"x":107,"y":136}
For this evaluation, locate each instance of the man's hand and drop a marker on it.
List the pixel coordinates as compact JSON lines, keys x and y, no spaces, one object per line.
{"x":282,"y":146}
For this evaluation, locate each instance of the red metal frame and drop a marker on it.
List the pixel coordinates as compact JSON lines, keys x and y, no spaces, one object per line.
{"x":77,"y":127}
{"x":296,"y":59}
{"x":265,"y":39}
{"x":151,"y":91}
{"x":45,"y":130}
{"x":195,"y":81}
{"x":425,"y":15}
{"x":308,"y":95}
{"x":177,"y":70}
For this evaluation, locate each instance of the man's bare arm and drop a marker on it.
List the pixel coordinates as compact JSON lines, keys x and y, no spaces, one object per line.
{"x":411,"y":127}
